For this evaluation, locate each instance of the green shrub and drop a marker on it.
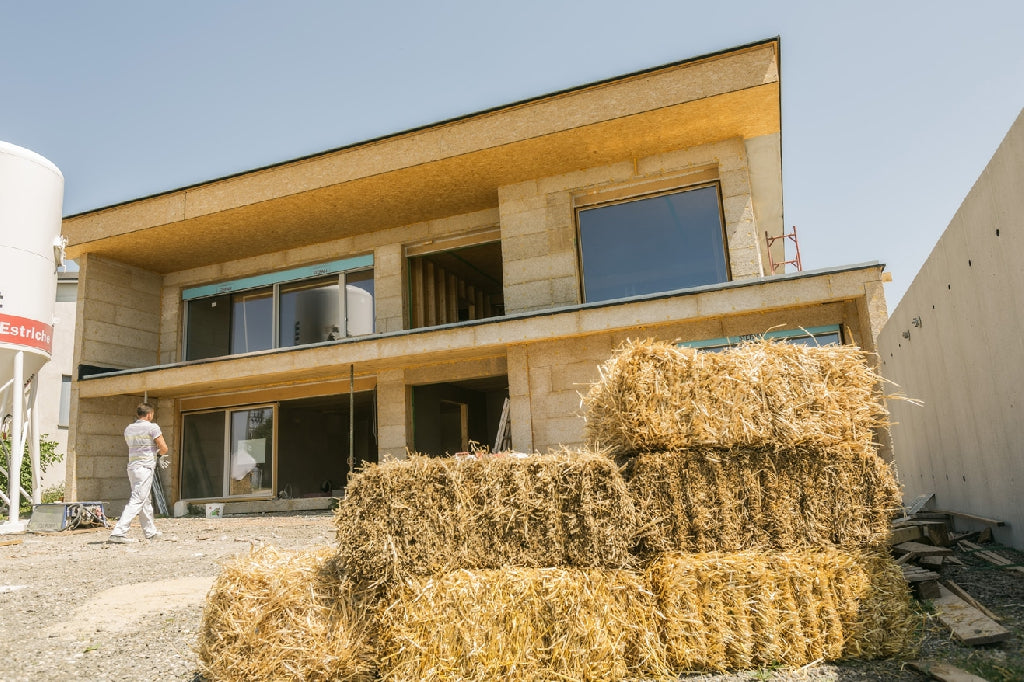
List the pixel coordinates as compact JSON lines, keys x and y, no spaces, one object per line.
{"x":48,"y":456}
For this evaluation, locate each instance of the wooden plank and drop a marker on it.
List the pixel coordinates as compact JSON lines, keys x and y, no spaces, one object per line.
{"x":416,"y":277}
{"x":915,"y":574}
{"x":928,"y":589}
{"x":453,"y":298}
{"x":902,"y":534}
{"x":919,"y":549}
{"x":431,"y":298}
{"x":971,"y":517}
{"x":960,"y":592}
{"x":919,"y":502}
{"x":935,"y":531}
{"x":991,"y":557}
{"x":5,"y":543}
{"x":931,"y":561}
{"x":944,"y":672}
{"x":968,"y":624}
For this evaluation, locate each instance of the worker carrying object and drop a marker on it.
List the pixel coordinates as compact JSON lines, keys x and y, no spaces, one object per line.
{"x":145,"y":445}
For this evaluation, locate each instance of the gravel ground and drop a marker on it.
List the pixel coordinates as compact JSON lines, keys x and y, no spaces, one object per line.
{"x":76,"y":608}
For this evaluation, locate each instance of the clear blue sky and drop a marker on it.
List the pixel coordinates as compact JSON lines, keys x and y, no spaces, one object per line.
{"x":890,"y":110}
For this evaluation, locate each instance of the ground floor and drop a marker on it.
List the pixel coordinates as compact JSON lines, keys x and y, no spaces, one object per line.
{"x":294,"y":424}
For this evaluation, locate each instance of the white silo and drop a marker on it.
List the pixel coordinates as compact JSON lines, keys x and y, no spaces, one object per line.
{"x":31,"y":249}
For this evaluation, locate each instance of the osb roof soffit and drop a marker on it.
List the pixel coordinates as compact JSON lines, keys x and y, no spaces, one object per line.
{"x":452,"y":169}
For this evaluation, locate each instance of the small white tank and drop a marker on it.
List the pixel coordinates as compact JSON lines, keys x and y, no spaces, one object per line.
{"x":31,"y":248}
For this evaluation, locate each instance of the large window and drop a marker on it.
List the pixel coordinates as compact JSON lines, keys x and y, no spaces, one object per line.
{"x":280,"y":310}
{"x":830,"y":335}
{"x":306,"y":447}
{"x":228,"y":453}
{"x":652,"y":244}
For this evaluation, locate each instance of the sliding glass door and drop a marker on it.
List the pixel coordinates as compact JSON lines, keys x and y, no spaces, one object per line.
{"x":228,"y":453}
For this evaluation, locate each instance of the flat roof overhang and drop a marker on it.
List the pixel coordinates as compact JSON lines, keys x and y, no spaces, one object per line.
{"x":482,"y":339}
{"x":446,"y":169}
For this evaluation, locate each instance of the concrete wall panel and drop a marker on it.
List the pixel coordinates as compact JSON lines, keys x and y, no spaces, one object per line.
{"x":965,"y":355}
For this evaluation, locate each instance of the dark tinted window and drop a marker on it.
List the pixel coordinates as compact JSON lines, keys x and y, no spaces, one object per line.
{"x":661,"y":243}
{"x":202,"y":455}
{"x":209,"y":326}
{"x":309,"y":312}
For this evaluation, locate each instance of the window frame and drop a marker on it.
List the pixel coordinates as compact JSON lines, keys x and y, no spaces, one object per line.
{"x":64,"y":403}
{"x":340,"y":269}
{"x":586,"y":205}
{"x":227,"y":412}
{"x":787,"y":335}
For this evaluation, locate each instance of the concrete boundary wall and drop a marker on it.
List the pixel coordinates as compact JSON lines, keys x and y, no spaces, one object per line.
{"x":956,"y":342}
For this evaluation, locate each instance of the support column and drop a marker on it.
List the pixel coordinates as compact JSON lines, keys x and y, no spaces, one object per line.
{"x":17,"y":437}
{"x":394,"y":415}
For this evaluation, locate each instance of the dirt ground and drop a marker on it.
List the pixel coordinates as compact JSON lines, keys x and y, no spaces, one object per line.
{"x":77,"y":608}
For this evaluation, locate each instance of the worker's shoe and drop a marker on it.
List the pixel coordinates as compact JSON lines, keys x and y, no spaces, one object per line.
{"x":119,"y":540}
{"x":155,"y":536}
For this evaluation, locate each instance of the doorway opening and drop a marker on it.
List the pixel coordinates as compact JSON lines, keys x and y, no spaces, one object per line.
{"x":459,"y":416}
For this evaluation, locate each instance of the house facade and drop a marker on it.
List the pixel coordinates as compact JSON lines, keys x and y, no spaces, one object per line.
{"x":440,"y":289}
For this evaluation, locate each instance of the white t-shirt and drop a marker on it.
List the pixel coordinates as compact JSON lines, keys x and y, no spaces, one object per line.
{"x":141,"y":439}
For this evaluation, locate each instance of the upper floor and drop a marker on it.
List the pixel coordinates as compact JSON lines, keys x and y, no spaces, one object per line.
{"x":663,"y":180}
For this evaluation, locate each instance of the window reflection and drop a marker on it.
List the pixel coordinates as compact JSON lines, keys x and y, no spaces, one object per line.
{"x":251,"y":317}
{"x":654,"y":244}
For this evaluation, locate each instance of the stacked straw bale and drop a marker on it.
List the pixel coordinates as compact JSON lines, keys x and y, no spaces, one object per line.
{"x":727,"y":611}
{"x":727,"y":500}
{"x":657,"y":397}
{"x":278,"y":615}
{"x":765,"y":506}
{"x":523,"y":624}
{"x":744,"y":530}
{"x":427,"y":516}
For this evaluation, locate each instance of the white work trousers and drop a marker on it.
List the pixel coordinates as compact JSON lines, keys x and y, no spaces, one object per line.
{"x":141,"y":478}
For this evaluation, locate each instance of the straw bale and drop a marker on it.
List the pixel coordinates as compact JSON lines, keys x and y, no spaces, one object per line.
{"x":522,"y":624}
{"x":426,"y":516}
{"x":735,"y":611}
{"x":708,"y":499}
{"x":279,"y":615}
{"x":655,"y":397}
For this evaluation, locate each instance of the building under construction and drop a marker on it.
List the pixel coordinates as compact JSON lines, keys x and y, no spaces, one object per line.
{"x":441,"y":289}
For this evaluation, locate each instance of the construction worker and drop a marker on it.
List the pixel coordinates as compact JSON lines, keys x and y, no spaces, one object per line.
{"x":145,"y":444}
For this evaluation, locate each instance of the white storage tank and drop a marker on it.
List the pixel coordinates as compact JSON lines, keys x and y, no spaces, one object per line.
{"x":31,"y":248}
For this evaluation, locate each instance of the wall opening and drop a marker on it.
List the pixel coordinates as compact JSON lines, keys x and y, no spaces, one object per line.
{"x":314,"y":443}
{"x":457,"y":285}
{"x":460,"y":416}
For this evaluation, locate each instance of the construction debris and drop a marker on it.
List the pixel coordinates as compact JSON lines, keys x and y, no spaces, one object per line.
{"x":658,"y":397}
{"x":944,"y":672}
{"x":917,"y":549}
{"x":960,"y":592}
{"x":968,"y":624}
{"x":990,"y":556}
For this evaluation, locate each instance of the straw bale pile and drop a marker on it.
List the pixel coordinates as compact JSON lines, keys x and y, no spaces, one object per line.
{"x":657,"y":397}
{"x":708,"y":499}
{"x":277,"y":614}
{"x":522,"y":624}
{"x":728,"y":611}
{"x":428,"y":516}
